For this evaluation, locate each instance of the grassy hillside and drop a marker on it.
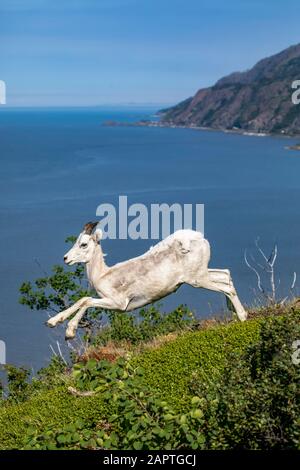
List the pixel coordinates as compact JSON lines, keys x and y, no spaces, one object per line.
{"x":168,"y":369}
{"x":171,"y":367}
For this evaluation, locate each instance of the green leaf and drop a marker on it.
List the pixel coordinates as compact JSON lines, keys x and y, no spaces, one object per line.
{"x":137,"y":445}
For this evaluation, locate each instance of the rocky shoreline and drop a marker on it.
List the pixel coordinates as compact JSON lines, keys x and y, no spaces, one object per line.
{"x":171,"y":125}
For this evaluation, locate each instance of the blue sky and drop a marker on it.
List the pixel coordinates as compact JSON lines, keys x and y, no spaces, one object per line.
{"x":94,"y":52}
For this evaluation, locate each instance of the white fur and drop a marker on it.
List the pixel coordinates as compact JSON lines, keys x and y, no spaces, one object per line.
{"x":182,"y":257}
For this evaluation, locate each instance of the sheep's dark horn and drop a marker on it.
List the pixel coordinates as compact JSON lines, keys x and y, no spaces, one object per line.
{"x":89,"y":227}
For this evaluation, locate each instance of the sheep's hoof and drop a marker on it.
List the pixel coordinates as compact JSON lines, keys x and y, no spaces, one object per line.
{"x":50,"y":323}
{"x":70,"y":335}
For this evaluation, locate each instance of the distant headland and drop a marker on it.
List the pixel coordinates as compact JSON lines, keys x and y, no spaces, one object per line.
{"x":257,"y":101}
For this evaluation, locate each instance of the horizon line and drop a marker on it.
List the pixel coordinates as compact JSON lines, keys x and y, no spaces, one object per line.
{"x":151,"y":104}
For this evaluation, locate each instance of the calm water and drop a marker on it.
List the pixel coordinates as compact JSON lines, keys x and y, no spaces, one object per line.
{"x":57,"y":166}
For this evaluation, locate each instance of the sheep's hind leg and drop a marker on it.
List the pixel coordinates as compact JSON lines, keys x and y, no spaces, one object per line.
{"x":219,"y":280}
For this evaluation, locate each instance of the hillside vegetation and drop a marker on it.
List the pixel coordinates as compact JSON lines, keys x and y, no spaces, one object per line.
{"x":215,"y":386}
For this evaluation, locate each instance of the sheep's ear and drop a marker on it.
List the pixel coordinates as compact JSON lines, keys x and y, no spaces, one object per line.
{"x":98,"y":234}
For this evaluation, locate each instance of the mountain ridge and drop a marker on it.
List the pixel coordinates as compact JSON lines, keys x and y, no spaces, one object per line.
{"x":257,"y":100}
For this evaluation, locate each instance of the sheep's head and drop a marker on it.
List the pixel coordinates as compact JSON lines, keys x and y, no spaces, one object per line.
{"x":83,"y":249}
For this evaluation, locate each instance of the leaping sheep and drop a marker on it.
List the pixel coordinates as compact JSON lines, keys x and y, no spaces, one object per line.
{"x":181,"y":258}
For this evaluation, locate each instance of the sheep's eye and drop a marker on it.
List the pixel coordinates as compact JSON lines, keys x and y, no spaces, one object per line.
{"x":83,"y":245}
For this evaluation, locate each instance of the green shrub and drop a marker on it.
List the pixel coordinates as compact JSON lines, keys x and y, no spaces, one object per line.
{"x":55,"y":407}
{"x":226,"y":387}
{"x":167,"y":370}
{"x":144,"y":326}
{"x":170,"y":368}
{"x":20,"y":386}
{"x":17,"y":378}
{"x":256,"y":403}
{"x":141,"y":420}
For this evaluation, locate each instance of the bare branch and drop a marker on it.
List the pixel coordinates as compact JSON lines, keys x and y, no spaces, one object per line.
{"x":259,"y":284}
{"x":269,"y":268}
{"x":260,"y":250}
{"x":294,"y":281}
{"x":273,"y":256}
{"x":282,"y":302}
{"x":78,"y":393}
{"x":41,"y":267}
{"x":60,"y":353}
{"x":257,"y":263}
{"x":52,"y":349}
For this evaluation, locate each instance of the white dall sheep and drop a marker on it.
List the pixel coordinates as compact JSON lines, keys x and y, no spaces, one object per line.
{"x":180,"y":258}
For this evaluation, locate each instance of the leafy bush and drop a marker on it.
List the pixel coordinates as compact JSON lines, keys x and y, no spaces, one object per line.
{"x":167,"y":373}
{"x":211,"y":415}
{"x":170,"y":369}
{"x":18,"y":386}
{"x":141,"y":420}
{"x":143,"y":326}
{"x":56,"y":407}
{"x":21,"y":386}
{"x":227,"y":387}
{"x":55,"y":292}
{"x":255,"y":404}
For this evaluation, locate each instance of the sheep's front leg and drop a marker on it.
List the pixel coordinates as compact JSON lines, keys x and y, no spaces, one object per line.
{"x":62,"y":316}
{"x":96,"y":303}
